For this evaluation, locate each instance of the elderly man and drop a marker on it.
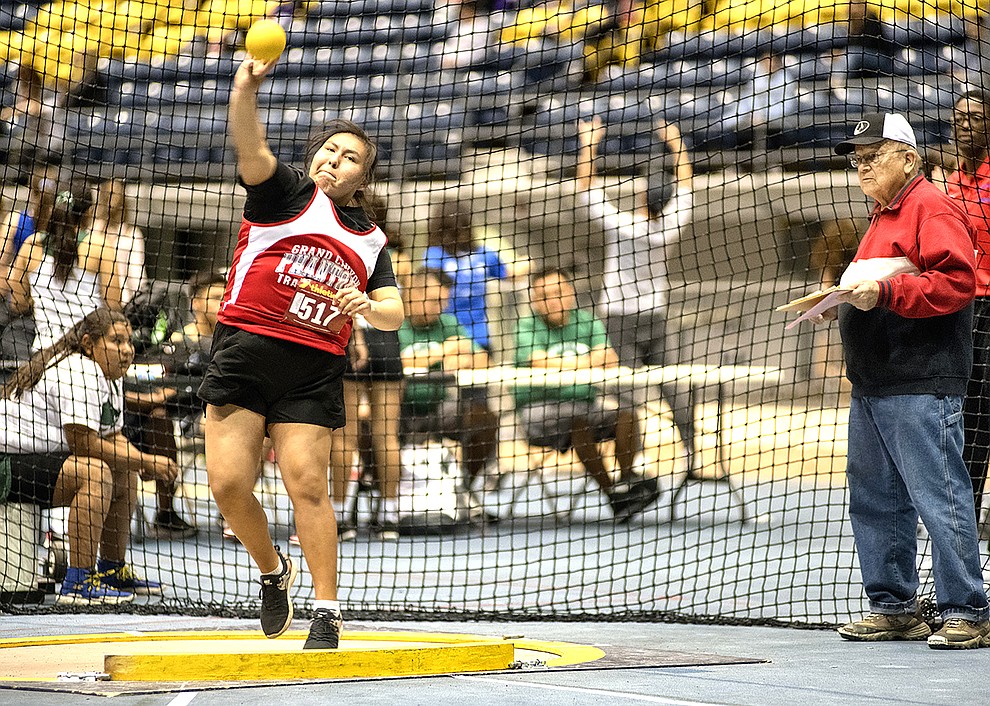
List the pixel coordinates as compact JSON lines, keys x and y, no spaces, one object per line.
{"x":907,"y":330}
{"x":970,"y":187}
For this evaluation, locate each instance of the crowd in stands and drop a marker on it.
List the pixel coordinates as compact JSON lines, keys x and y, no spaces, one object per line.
{"x":728,"y":66}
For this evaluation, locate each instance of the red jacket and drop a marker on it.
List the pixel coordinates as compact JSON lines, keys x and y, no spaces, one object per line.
{"x":934,"y":233}
{"x":973,"y":193}
{"x":919,"y":337}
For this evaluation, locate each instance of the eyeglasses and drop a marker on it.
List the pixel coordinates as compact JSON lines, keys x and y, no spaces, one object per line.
{"x":868,"y":160}
{"x":969,"y":118}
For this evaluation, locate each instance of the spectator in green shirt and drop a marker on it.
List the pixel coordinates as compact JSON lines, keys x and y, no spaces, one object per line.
{"x":432,"y":340}
{"x":559,"y":336}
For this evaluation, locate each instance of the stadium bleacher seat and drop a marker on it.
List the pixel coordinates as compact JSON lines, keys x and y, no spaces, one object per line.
{"x":381,"y":29}
{"x":424,"y":87}
{"x":860,"y":62}
{"x":548,"y":61}
{"x":911,"y":61}
{"x":807,"y":67}
{"x":100,"y":140}
{"x":350,"y":8}
{"x":329,"y":89}
{"x":675,"y":74}
{"x":308,"y":61}
{"x":711,"y":44}
{"x":187,"y":139}
{"x":911,"y":95}
{"x":363,"y":56}
{"x":938,"y":30}
{"x":162,"y":93}
{"x":14,"y":16}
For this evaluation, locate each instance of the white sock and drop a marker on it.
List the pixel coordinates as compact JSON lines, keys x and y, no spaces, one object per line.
{"x":332,"y":606}
{"x":279,"y":570}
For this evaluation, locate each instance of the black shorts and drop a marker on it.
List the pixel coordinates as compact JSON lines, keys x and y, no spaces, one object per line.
{"x":280,"y":380}
{"x":549,"y":423}
{"x":384,"y":358}
{"x":33,"y":477}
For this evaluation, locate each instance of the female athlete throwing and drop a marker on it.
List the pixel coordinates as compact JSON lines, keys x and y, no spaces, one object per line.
{"x":307,"y":260}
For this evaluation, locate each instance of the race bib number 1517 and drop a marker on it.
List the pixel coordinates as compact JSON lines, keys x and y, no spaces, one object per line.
{"x":314,"y":306}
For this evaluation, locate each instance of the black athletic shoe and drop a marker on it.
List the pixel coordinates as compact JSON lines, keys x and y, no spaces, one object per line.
{"x":632,"y":497}
{"x":276,"y":606}
{"x":324,"y":633}
{"x":169,"y":525}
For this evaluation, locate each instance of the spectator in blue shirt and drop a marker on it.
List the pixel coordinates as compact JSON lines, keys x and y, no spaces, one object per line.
{"x":454,"y":251}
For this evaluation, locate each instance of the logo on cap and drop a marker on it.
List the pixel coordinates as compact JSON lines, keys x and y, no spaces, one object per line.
{"x":861,"y":127}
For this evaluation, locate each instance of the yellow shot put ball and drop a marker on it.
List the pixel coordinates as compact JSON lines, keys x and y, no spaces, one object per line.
{"x":265,"y":40}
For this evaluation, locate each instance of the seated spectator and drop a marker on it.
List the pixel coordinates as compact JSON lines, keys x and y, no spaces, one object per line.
{"x":560,"y":21}
{"x":868,"y":53}
{"x":62,"y":273}
{"x":62,"y":440}
{"x":17,"y":327}
{"x":111,"y":221}
{"x":471,"y":36}
{"x":205,"y":294}
{"x":452,"y":248}
{"x":432,"y":340}
{"x":188,"y":350}
{"x":33,"y":125}
{"x":559,"y":336}
{"x":19,"y":225}
{"x":636,"y":29}
{"x":771,"y":94}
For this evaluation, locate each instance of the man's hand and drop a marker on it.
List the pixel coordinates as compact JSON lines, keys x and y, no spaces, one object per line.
{"x":160,"y":468}
{"x":864,"y":297}
{"x":826,"y":317}
{"x":590,"y":132}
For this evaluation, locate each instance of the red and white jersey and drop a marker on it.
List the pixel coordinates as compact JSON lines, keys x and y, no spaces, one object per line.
{"x":285,"y":276}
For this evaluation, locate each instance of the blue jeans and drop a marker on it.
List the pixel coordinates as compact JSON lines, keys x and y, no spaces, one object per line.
{"x":905,"y":460}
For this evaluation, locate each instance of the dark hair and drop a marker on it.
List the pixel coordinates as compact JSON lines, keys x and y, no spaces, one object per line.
{"x":975,"y":94}
{"x":439,"y":275}
{"x":46,"y":197}
{"x":450,"y":227}
{"x":30,"y":81}
{"x":95,"y":325}
{"x":545,"y":272}
{"x":71,"y":203}
{"x":324,"y":132}
{"x":377,"y":210}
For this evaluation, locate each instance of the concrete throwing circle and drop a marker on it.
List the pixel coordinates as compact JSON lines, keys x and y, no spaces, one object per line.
{"x":242,"y":655}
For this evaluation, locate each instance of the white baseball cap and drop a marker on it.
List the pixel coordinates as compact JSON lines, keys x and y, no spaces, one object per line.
{"x":875,"y":127}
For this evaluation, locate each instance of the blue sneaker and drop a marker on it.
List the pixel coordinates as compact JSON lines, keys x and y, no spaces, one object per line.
{"x":121,"y":576}
{"x":85,"y":587}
